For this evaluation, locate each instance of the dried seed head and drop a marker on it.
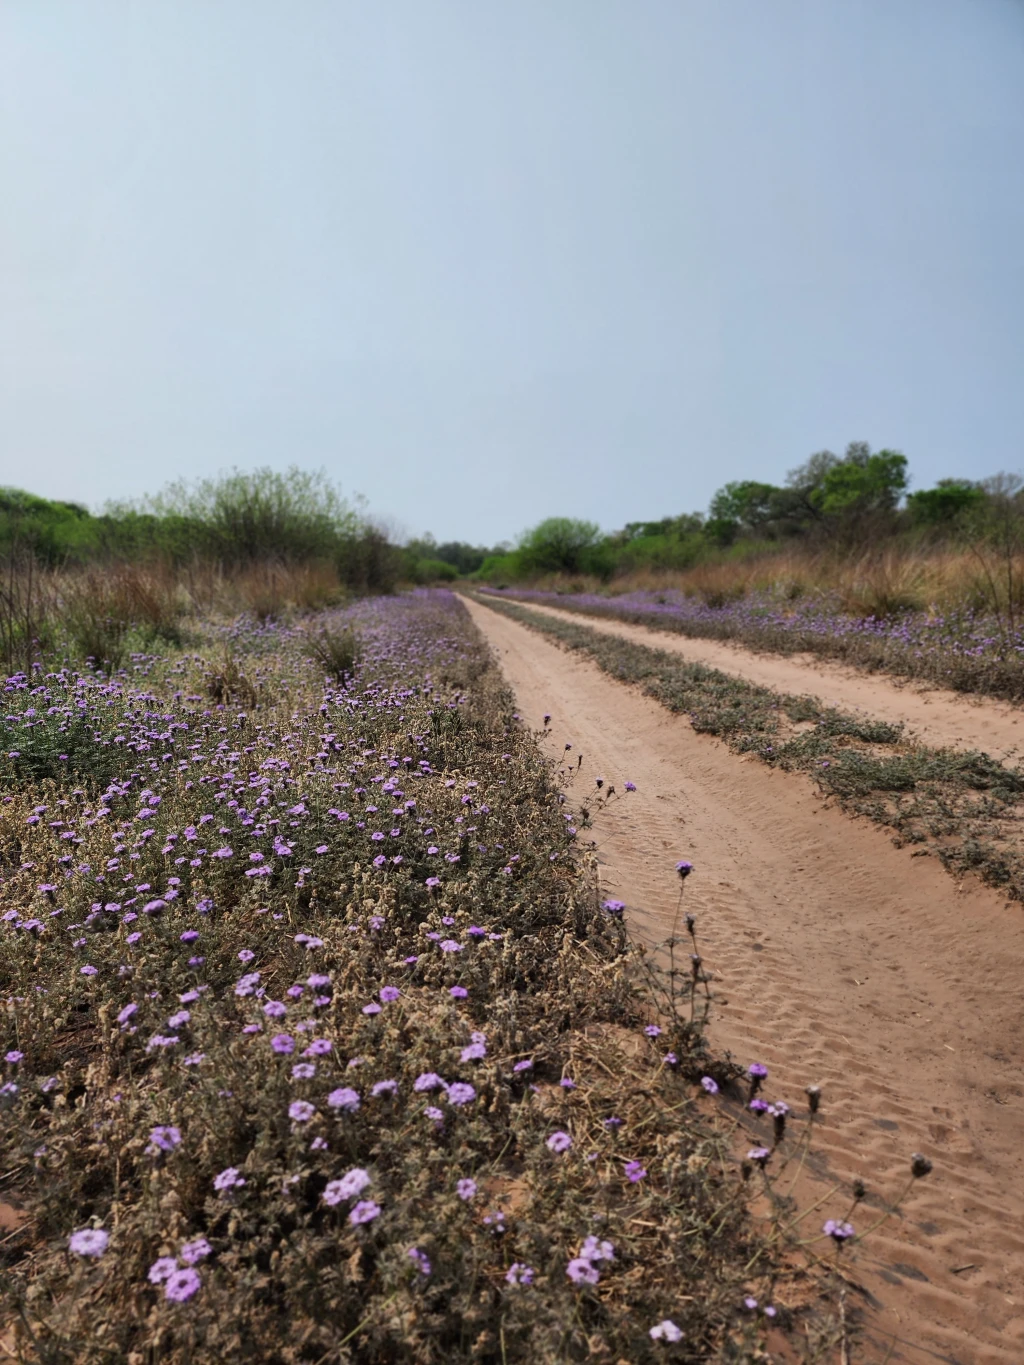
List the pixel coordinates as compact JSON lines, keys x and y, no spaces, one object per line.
{"x":859,"y":1189}
{"x":919,"y":1165}
{"x":691,"y":924}
{"x":813,"y":1098}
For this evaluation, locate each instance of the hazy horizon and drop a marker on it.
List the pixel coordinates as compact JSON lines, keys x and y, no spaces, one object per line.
{"x":487,"y":264}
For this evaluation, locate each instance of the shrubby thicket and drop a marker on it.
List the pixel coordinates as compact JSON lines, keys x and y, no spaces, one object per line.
{"x":233,"y":521}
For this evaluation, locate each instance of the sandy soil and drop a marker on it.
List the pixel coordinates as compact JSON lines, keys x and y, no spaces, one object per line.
{"x":838,"y":960}
{"x":940,"y":718}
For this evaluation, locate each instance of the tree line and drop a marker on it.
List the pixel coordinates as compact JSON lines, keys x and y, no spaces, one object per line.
{"x":842,"y":501}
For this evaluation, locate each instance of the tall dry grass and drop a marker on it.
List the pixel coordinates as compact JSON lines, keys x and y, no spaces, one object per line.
{"x":103,"y":611}
{"x":883,"y":582}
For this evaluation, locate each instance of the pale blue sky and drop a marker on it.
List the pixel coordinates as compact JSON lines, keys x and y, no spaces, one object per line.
{"x":488,"y":262}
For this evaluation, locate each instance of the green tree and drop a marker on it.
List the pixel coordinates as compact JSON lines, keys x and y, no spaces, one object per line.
{"x":861,"y":483}
{"x":559,"y":545}
{"x":244,"y":516}
{"x":946,"y":503}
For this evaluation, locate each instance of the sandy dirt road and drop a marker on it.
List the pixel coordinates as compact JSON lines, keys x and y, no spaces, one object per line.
{"x":838,"y":960}
{"x":938,"y":717}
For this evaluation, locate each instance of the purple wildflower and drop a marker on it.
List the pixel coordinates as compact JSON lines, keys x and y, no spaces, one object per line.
{"x":666,"y":1330}
{"x":428,"y":1080}
{"x":364,"y":1212}
{"x":182,"y":1285}
{"x":582,"y":1271}
{"x":194,"y":1251}
{"x":347,"y":1187}
{"x":345,"y":1099}
{"x":162,"y":1269}
{"x":89,"y":1242}
{"x":165,"y":1137}
{"x":838,"y":1231}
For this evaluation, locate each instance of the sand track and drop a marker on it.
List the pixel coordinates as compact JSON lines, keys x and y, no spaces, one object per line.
{"x":838,"y":960}
{"x":938,"y":717}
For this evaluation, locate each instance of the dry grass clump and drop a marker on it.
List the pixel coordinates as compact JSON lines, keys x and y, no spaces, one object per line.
{"x":337,"y":652}
{"x":271,"y":590}
{"x":105,"y":612}
{"x":318,"y":1045}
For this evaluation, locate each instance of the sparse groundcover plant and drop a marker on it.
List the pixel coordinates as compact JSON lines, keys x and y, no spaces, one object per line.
{"x":256,"y":1103}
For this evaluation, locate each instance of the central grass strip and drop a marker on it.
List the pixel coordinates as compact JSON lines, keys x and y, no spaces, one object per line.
{"x":959,"y":807}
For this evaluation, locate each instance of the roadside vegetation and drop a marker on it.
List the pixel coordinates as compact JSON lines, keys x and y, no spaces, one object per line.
{"x":267,"y":544}
{"x":320,"y":1046}
{"x":963,"y":808}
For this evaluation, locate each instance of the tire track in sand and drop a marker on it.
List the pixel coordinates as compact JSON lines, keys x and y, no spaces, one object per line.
{"x":934,"y":715}
{"x":838,"y":960}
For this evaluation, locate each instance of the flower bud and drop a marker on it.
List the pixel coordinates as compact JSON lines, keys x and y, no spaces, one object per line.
{"x":919,"y":1165}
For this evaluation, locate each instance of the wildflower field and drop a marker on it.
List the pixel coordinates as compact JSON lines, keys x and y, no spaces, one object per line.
{"x":318,"y":1043}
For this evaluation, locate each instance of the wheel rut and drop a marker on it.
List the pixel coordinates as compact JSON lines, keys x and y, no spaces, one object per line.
{"x":935,"y":716}
{"x":838,"y":960}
